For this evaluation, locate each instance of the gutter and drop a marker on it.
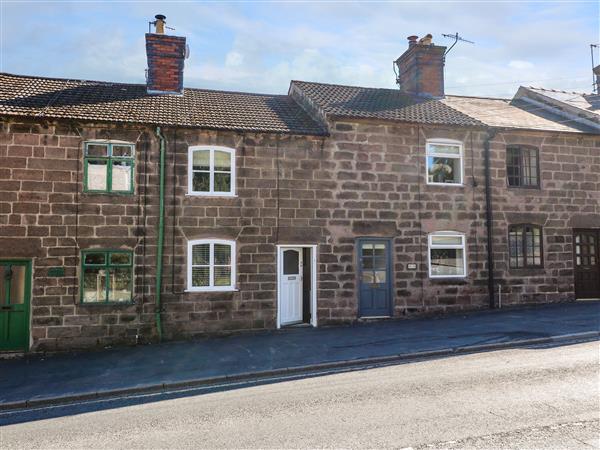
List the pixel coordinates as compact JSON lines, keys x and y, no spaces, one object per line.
{"x":489,"y":216}
{"x":161,"y":235}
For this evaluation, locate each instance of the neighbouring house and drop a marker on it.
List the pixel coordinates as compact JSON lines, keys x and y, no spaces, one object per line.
{"x":137,"y":212}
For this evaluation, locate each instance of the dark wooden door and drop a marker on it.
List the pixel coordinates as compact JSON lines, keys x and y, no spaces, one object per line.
{"x":375,"y":288}
{"x":587,"y":265}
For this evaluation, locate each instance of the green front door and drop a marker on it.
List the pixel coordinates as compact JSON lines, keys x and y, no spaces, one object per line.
{"x":15,"y":293}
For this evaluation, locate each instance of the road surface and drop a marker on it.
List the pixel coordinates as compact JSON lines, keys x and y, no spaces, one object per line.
{"x":544,"y":397}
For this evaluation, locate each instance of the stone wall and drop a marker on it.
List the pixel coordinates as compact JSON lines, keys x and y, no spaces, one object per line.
{"x":568,"y":198}
{"x":367,"y":179}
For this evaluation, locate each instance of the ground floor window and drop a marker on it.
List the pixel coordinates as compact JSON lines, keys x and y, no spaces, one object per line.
{"x":525,"y":246}
{"x":107,"y":276}
{"x":211,"y":265}
{"x":447,"y":255}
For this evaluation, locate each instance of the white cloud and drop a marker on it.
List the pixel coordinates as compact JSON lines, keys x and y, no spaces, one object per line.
{"x":517,"y":64}
{"x":234,"y":59}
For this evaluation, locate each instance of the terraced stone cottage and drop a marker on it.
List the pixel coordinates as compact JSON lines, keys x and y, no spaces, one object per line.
{"x":132,"y":212}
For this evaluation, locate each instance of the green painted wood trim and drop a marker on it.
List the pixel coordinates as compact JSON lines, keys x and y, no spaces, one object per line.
{"x":26,"y":303}
{"x":107,"y":265}
{"x":130,"y":160}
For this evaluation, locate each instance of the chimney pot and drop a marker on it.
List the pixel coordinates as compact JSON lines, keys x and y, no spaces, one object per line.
{"x":159,"y":23}
{"x":412,"y":40}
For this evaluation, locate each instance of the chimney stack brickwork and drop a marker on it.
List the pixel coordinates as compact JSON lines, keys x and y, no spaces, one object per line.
{"x":166,"y":55}
{"x":421,"y":69}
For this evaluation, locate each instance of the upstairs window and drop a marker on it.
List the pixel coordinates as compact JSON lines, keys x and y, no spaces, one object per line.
{"x":447,"y":255}
{"x":522,"y":167}
{"x":107,"y":276}
{"x":444,"y":162}
{"x":108,"y":167}
{"x":211,"y":171}
{"x":525,"y":246}
{"x":211,"y":265}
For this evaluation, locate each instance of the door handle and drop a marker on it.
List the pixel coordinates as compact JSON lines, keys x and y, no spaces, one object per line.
{"x":5,"y":308}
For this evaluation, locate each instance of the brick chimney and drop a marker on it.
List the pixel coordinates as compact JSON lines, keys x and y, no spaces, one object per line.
{"x":421,"y":68}
{"x":166,"y":55}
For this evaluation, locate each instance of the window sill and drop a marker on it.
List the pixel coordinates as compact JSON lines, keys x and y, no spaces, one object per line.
{"x":449,"y":281}
{"x":446,"y":184}
{"x":107,"y":193}
{"x":130,"y":303}
{"x":211,"y":195}
{"x":525,"y":188}
{"x":444,"y":277}
{"x":524,"y":271}
{"x":194,"y":291}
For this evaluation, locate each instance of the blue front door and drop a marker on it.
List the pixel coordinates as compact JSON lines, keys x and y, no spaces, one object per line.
{"x":375,"y":288}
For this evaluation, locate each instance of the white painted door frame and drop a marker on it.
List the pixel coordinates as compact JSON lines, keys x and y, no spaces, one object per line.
{"x":313,"y":280}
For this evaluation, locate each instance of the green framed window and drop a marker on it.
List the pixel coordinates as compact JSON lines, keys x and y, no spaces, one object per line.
{"x":106,"y":276}
{"x":108,"y":167}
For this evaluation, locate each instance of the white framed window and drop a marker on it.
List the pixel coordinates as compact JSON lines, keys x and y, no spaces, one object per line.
{"x":444,"y":162}
{"x":211,"y":265}
{"x":447,"y":256}
{"x":211,"y":171}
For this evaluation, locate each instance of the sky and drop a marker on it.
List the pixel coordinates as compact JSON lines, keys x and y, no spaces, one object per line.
{"x":261,"y":46}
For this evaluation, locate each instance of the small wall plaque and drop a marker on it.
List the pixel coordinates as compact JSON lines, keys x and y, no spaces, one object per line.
{"x":56,"y":272}
{"x":411,"y":266}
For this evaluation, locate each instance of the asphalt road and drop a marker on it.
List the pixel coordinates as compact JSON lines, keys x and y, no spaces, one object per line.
{"x":524,"y":398}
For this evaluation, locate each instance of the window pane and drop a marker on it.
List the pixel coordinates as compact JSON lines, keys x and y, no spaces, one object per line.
{"x":94,"y":285}
{"x":120,"y":258}
{"x":3,"y":273}
{"x":222,"y":254}
{"x":96,"y":175}
{"x":222,"y":276}
{"x":200,"y":254}
{"x":367,"y":250}
{"x":379,"y":263}
{"x":121,"y":176}
{"x":368,"y":277}
{"x":379,"y":276}
{"x":122,"y":151}
{"x":17,"y":285}
{"x":201,"y":182}
{"x":200,"y":276}
{"x":446,"y":240}
{"x":447,"y":262}
{"x":222,"y":161}
{"x":222,"y":182}
{"x":367,"y":263}
{"x":444,"y":149}
{"x":96,"y":150}
{"x":95,"y":258}
{"x":513,"y":166}
{"x":379,"y":250}
{"x":515,"y":248}
{"x":201,"y":160}
{"x":120,"y":285}
{"x":291,"y":262}
{"x":443,"y":170}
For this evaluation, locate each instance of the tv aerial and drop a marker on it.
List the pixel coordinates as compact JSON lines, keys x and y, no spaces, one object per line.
{"x":456,"y":38}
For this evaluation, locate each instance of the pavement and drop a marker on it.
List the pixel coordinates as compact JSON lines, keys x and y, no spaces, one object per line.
{"x":543,"y":396}
{"x":36,"y":380}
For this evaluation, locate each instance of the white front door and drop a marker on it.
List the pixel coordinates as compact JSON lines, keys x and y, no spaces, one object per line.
{"x":290,"y":285}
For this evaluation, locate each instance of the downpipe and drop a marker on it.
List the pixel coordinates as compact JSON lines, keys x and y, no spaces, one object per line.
{"x":161,"y":235}
{"x":489,"y":217}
